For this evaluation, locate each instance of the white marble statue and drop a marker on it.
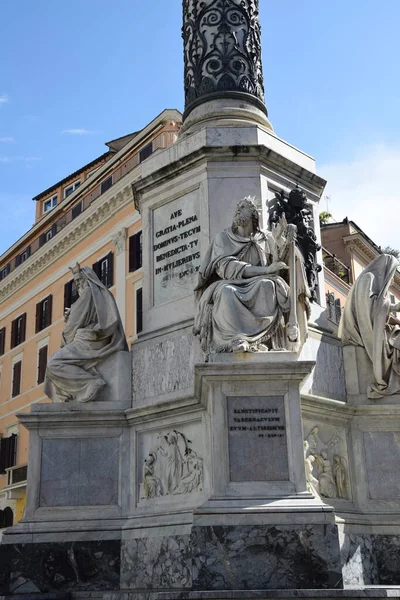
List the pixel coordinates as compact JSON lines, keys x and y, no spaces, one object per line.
{"x":327,"y":485}
{"x":93,"y":331}
{"x":367,"y":321}
{"x":242,"y":297}
{"x":341,"y":477}
{"x":309,"y":460}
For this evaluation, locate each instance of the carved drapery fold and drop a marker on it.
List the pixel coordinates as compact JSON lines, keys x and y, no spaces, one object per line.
{"x":222,"y":51}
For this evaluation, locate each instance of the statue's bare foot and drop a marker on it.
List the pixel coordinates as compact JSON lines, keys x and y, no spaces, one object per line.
{"x":240,"y":346}
{"x":93,"y":390}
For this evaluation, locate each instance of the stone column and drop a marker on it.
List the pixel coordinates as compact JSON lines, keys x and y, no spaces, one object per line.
{"x":222,"y":53}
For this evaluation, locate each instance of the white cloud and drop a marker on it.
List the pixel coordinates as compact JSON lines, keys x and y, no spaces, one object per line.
{"x":7,"y":140}
{"x":3,"y":99}
{"x":25,"y":159}
{"x":77,"y":132}
{"x":366,"y":190}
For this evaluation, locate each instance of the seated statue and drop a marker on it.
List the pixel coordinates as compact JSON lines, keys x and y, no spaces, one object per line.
{"x":243,"y":298}
{"x":93,"y":332}
{"x":367,"y":321}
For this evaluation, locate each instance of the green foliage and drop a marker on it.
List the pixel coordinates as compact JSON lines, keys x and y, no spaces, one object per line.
{"x":324,"y":217}
{"x":392,"y":251}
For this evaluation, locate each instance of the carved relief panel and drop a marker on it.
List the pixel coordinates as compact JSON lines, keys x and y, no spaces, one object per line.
{"x":171,"y":463}
{"x":326,"y":459}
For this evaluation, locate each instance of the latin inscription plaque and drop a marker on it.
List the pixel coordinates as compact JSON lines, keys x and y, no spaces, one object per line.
{"x":176,"y":248}
{"x":257,"y":439}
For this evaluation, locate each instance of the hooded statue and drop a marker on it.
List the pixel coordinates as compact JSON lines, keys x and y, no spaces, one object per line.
{"x":367,"y":322}
{"x":93,"y":331}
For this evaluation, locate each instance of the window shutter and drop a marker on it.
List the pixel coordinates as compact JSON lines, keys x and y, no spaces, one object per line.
{"x":12,"y":451}
{"x":49,"y":310}
{"x":23,"y":328}
{"x":42,"y":364}
{"x":3,"y":444}
{"x":96,"y":269}
{"x":28,"y":252}
{"x":16,"y":384}
{"x":53,"y":229}
{"x":37,"y":319}
{"x":76,"y":210}
{"x":2,"y":340}
{"x":139,"y":310}
{"x":42,"y":239}
{"x":110,"y":270}
{"x":18,"y":260}
{"x":13,"y":333}
{"x":67,"y":295}
{"x":135,"y":252}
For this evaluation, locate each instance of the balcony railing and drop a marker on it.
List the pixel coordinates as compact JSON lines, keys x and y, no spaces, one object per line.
{"x":335,"y":265}
{"x":17,"y":475}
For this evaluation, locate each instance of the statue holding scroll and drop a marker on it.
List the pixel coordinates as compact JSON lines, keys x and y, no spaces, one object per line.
{"x":244,"y":301}
{"x":93,"y":331}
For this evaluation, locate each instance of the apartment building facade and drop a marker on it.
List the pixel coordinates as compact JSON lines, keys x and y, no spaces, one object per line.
{"x":89,"y":217}
{"x":346,"y":251}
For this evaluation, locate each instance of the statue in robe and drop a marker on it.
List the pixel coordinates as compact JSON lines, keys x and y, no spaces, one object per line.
{"x":368,"y":321}
{"x":93,"y":331}
{"x":242,"y":297}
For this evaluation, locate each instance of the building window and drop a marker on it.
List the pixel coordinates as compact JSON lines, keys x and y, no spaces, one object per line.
{"x":18,"y":331}
{"x":6,"y":517}
{"x":8,"y":452}
{"x":42,"y":364}
{"x":106,"y":184}
{"x":4,"y":272}
{"x":145,"y":152}
{"x":139,"y":310}
{"x":16,"y":379}
{"x":23,"y":256}
{"x":48,"y":235}
{"x":76,"y":211}
{"x":49,"y":204}
{"x":70,"y":294}
{"x":71,"y":188}
{"x":43,"y":313}
{"x":2,"y":340}
{"x":104,"y":270}
{"x":135,"y":252}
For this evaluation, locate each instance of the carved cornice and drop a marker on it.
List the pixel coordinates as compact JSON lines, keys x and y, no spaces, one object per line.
{"x":66,"y":239}
{"x":222,"y":51}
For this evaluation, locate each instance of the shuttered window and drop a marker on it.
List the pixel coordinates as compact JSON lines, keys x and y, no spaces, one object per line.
{"x":139,"y":310}
{"x":106,"y":184}
{"x":135,"y":252}
{"x":18,"y":331}
{"x":43,"y":313}
{"x":8,"y":452}
{"x":104,"y":269}
{"x":2,"y":340}
{"x":76,"y":211}
{"x":145,"y":152}
{"x":70,"y":294}
{"x":42,"y":364}
{"x":23,"y":256}
{"x":16,"y":381}
{"x":47,"y":235}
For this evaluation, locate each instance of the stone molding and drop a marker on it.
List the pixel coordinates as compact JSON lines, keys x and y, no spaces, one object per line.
{"x":80,"y":228}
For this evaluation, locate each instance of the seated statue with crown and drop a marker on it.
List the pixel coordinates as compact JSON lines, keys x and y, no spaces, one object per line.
{"x":252,"y":294}
{"x":93,"y":332}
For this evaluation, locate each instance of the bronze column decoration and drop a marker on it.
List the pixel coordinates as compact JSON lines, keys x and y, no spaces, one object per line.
{"x":222,"y":52}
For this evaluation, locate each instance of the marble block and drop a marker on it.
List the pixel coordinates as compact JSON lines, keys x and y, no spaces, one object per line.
{"x":266,"y":557}
{"x":257,"y":432}
{"x":79,"y":472}
{"x":382,"y":458}
{"x":59,"y":567}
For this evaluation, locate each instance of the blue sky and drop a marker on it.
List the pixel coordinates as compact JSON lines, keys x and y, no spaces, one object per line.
{"x":106,"y":69}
